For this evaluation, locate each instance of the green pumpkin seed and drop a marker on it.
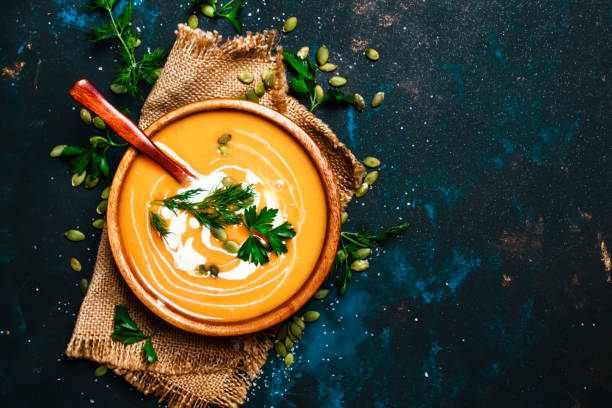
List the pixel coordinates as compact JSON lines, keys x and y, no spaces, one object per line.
{"x":192,"y":21}
{"x":227,"y":181}
{"x":319,"y":94}
{"x":75,"y":265}
{"x":208,"y":10}
{"x":337,"y":81}
{"x":290,"y":335}
{"x":288,"y":360}
{"x":219,"y":233}
{"x":214,"y":271}
{"x":288,"y":343}
{"x":371,"y":161}
{"x":344,"y":217}
{"x":268,"y":77}
{"x":105,"y":193}
{"x":57,"y":150}
{"x":322,"y":55}
{"x":328,"y":67}
{"x":299,"y":322}
{"x":363,"y":188}
{"x":223,"y":149}
{"x":363,"y":253}
{"x":280,"y":348}
{"x":302,"y":53}
{"x":74,"y":235}
{"x":249,"y":201}
{"x":231,"y":247}
{"x":224,"y":139}
{"x":202,"y":269}
{"x":85,"y":116}
{"x":83,"y":285}
{"x":311,"y":316}
{"x":91,"y":182}
{"x":98,"y":123}
{"x":98,"y":224}
{"x":371,"y":177}
{"x":282,"y":332}
{"x":378,"y":99}
{"x":290,"y":24}
{"x":77,"y":179}
{"x":101,"y":208}
{"x":341,"y":255}
{"x":295,"y":330}
{"x":101,"y":370}
{"x":359,"y":102}
{"x":98,"y":141}
{"x":360,"y":265}
{"x":252,"y":96}
{"x":135,"y":42}
{"x":260,"y":88}
{"x":321,"y":294}
{"x":246,"y":77}
{"x":118,"y":89}
{"x":372,"y":54}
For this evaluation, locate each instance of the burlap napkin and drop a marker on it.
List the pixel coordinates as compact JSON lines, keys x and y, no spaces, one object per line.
{"x":196,"y":370}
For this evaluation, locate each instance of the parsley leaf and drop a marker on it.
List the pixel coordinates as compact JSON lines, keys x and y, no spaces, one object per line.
{"x":128,"y":332}
{"x":230,"y":10}
{"x":253,"y":249}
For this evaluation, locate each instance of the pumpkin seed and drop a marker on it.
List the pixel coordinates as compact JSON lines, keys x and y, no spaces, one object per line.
{"x":135,"y":42}
{"x":77,"y":179}
{"x":98,"y":141}
{"x":282,"y":332}
{"x":371,"y":161}
{"x":57,"y":150}
{"x":246,"y":77}
{"x":252,"y":96}
{"x":85,"y":116}
{"x":260,"y":88}
{"x":249,"y":201}
{"x":208,"y":11}
{"x":319,"y":94}
{"x":293,"y":338}
{"x":214,"y":271}
{"x":118,"y":89}
{"x":360,"y":265}
{"x":290,"y":24}
{"x":359,"y":102}
{"x":344,"y":217}
{"x":328,"y":67}
{"x":302,"y":53}
{"x":337,"y":81}
{"x":223,"y":149}
{"x":105,"y":193}
{"x":371,"y":177}
{"x":322,"y":55}
{"x":74,"y":235}
{"x":101,"y":208}
{"x":98,"y":123}
{"x":295,"y":330}
{"x":311,"y":316}
{"x":363,"y":188}
{"x":321,"y":294}
{"x":227,"y":181}
{"x":288,"y":343}
{"x":75,"y":265}
{"x":98,"y":224}
{"x":224,"y":139}
{"x":268,"y":77}
{"x":378,"y":99}
{"x":341,"y":255}
{"x":280,"y":348}
{"x":219,"y":233}
{"x":363,"y":253}
{"x":372,"y":54}
{"x":202,"y":269}
{"x":231,"y":247}
{"x":101,"y":370}
{"x":192,"y":21}
{"x":83,"y":285}
{"x":288,"y":360}
{"x":91,"y":182}
{"x":299,"y":322}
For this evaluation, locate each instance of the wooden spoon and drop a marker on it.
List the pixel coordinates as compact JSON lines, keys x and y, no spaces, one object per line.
{"x":87,"y":95}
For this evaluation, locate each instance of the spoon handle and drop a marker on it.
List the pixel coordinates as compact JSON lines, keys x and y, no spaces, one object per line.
{"x":87,"y":95}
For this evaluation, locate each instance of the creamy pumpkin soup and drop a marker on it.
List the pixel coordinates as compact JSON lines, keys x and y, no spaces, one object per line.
{"x":197,"y":273}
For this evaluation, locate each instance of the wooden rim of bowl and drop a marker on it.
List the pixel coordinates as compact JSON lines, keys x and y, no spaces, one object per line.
{"x":314,"y":281}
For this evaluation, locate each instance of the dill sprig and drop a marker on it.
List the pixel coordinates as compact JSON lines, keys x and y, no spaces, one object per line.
{"x":159,"y":224}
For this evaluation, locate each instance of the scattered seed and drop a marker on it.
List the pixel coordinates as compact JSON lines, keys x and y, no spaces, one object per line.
{"x":372,"y":54}
{"x":227,"y":181}
{"x":57,"y":150}
{"x":328,"y":67}
{"x":269,"y":78}
{"x":280,"y":348}
{"x":224,"y":139}
{"x":219,"y":233}
{"x":260,"y":89}
{"x":98,"y":123}
{"x":299,"y":322}
{"x":85,"y":116}
{"x":344,"y":217}
{"x":319,"y":94}
{"x":371,"y":161}
{"x":74,"y":235}
{"x":249,"y":201}
{"x":77,"y":179}
{"x":135,"y":42}
{"x":321,"y":294}
{"x":202,"y":269}
{"x":288,"y":343}
{"x":341,"y":255}
{"x":360,"y":265}
{"x":98,"y":141}
{"x":378,"y":99}
{"x":101,"y":208}
{"x":101,"y":370}
{"x":359,"y":102}
{"x":288,"y":360}
{"x":292,"y":337}
{"x":322,"y":55}
{"x":192,"y":21}
{"x":75,"y":265}
{"x":282,"y":332}
{"x":91,"y":182}
{"x":303,"y":53}
{"x":371,"y":177}
{"x":311,"y":316}
{"x":98,"y":224}
{"x":84,"y":285}
{"x":118,"y":89}
{"x":231,"y":247}
{"x":223,"y":149}
{"x":246,"y":77}
{"x":290,"y":24}
{"x":214,"y":271}
{"x":295,"y":330}
{"x":337,"y":81}
{"x":363,"y":188}
{"x":363,"y":253}
{"x":208,"y":10}
{"x":252,"y":96}
{"x":105,"y":193}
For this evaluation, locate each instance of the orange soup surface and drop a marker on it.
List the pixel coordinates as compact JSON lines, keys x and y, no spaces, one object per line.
{"x":283,"y":176}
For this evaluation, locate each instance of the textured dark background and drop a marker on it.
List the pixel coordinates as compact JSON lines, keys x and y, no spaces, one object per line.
{"x":495,"y":139}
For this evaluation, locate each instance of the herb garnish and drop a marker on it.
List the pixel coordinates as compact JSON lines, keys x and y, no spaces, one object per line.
{"x":127,"y":332}
{"x":351,"y":242}
{"x":253,"y":249}
{"x":130,"y":72}
{"x":233,"y":15}
{"x":303,"y":81}
{"x":93,"y":156}
{"x":160,"y":225}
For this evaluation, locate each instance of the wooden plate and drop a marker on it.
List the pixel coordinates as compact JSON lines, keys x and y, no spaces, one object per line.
{"x":312,"y":283}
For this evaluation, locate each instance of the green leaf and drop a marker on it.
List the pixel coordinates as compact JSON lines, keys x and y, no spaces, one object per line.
{"x":253,"y":251}
{"x":333,"y":95}
{"x":101,"y":33}
{"x":126,"y":17}
{"x":72,"y":150}
{"x":277,"y":235}
{"x":149,"y":351}
{"x":80,"y":162}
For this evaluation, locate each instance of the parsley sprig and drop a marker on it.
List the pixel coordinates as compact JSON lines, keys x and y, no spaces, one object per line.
{"x":131,"y":71}
{"x":91,"y":157}
{"x":230,"y":11}
{"x":127,"y":332}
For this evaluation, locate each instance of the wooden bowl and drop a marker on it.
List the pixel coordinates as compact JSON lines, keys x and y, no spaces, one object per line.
{"x":312,"y":283}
